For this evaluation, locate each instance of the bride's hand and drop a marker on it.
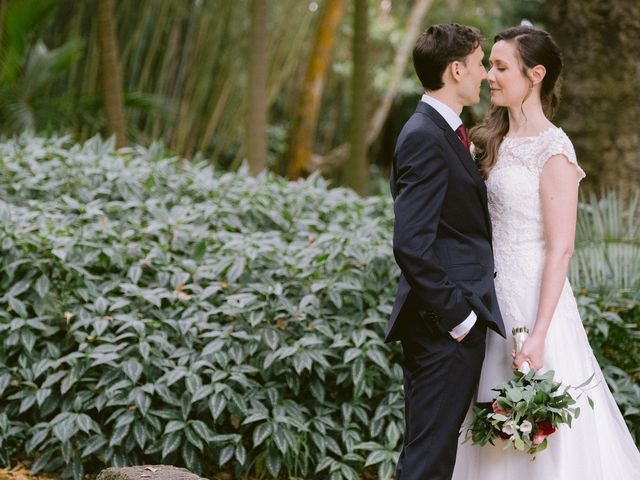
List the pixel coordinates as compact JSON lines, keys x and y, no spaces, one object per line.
{"x":532,"y":352}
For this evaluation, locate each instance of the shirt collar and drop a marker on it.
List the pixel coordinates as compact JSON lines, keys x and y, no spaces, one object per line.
{"x":444,"y":110}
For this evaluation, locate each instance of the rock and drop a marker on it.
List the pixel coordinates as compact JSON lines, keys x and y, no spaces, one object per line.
{"x":147,"y":472}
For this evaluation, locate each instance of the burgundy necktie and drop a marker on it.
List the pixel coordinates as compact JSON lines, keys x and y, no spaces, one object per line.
{"x":462,"y":135}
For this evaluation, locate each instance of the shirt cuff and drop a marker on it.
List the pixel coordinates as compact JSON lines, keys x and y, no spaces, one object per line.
{"x":465,"y":327}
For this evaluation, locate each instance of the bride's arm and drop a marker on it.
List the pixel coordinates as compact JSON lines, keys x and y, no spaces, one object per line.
{"x":559,"y":197}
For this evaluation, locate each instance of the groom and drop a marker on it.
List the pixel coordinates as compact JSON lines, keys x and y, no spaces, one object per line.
{"x":442,"y":243}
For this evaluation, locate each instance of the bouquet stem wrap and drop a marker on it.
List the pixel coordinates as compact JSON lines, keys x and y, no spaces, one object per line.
{"x":520,"y":335}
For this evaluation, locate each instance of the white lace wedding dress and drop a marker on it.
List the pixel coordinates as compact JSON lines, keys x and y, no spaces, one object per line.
{"x":598,"y":446}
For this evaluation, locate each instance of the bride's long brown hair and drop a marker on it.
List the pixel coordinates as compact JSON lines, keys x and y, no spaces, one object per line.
{"x":534,"y":47}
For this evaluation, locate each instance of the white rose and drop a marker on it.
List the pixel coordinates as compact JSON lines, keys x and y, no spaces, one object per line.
{"x":526,"y":427}
{"x":472,"y":150}
{"x":508,"y":428}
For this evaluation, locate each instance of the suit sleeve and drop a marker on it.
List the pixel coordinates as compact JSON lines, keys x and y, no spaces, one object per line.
{"x":421,"y":186}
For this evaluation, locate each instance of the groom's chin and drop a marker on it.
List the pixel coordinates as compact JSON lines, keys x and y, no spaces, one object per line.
{"x":474,"y":101}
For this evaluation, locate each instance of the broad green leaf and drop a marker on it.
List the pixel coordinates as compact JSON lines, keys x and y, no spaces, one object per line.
{"x":42,"y":286}
{"x":217,"y":404}
{"x":174,"y":426}
{"x":240,"y":455}
{"x":36,"y":439}
{"x":86,"y":424}
{"x":201,"y":429}
{"x":134,"y":274}
{"x":193,"y":438}
{"x":261,"y":433}
{"x":351,"y":353}
{"x":225,"y":455}
{"x":18,"y":288}
{"x":170,"y":443}
{"x":96,"y":443}
{"x":133,"y":369}
{"x":18,"y":306}
{"x":274,"y":463}
{"x":65,"y":429}
{"x":140,"y":434}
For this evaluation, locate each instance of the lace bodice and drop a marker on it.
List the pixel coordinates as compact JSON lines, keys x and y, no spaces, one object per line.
{"x":513,"y":188}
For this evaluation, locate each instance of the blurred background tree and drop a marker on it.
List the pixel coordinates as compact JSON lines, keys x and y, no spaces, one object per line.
{"x":600,"y":109}
{"x":355,"y":170}
{"x":310,"y":93}
{"x":232,"y":83}
{"x":257,"y":90}
{"x":110,"y":71}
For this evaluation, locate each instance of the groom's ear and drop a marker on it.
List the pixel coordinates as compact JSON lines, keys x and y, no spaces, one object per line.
{"x":455,"y":69}
{"x":537,"y":73}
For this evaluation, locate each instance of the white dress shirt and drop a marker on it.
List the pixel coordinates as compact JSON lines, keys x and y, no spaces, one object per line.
{"x":454,"y":121}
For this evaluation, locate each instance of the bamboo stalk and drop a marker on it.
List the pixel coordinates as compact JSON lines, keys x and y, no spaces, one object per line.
{"x":307,"y":112}
{"x":220,"y":104}
{"x":336,"y":157}
{"x":257,"y":88}
{"x":356,"y":174}
{"x":110,"y":70}
{"x":180,"y":131}
{"x":163,"y":85}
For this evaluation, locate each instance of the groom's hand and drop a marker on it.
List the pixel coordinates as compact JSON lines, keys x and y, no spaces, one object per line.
{"x":462,"y":330}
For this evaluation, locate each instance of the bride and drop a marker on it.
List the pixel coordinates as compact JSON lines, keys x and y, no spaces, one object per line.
{"x":532,"y":180}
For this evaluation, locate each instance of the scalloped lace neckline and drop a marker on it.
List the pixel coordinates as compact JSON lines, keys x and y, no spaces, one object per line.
{"x":532,"y":137}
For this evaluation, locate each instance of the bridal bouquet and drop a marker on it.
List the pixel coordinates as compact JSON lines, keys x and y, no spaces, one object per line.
{"x":528,"y":409}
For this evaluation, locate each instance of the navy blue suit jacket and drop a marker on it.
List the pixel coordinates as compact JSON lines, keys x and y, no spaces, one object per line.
{"x":442,"y":231}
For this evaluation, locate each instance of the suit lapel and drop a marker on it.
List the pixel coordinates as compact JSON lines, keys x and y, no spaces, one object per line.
{"x":463,"y":155}
{"x":465,"y":158}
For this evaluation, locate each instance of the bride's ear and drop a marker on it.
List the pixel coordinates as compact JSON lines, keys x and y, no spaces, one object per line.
{"x":537,"y":73}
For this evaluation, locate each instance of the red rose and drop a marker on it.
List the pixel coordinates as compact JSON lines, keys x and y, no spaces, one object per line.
{"x":497,"y":409}
{"x":545,"y":428}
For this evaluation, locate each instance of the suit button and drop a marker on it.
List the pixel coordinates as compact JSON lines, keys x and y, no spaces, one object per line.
{"x":495,"y":274}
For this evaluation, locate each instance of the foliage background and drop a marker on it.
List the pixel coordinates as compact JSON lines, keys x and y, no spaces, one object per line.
{"x":161,"y":311}
{"x":158,"y":309}
{"x":185,"y":73}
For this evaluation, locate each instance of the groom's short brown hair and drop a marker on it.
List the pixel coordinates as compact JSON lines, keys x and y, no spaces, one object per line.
{"x":438,"y":47}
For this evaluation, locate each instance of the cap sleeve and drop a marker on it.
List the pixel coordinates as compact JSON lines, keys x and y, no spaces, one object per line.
{"x":560,"y":145}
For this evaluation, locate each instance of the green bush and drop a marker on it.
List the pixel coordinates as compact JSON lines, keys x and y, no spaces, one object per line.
{"x":157,"y":311}
{"x":605,"y":270}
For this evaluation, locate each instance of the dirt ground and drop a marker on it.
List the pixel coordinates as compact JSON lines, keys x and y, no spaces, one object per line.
{"x":21,"y":472}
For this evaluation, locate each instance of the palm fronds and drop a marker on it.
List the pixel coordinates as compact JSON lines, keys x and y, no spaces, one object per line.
{"x":607,"y":254}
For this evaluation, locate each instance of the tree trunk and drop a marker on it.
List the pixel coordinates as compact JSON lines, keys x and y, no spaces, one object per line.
{"x":600,"y":104}
{"x":338,"y":155}
{"x":306,"y":118}
{"x":257,"y":94}
{"x":110,"y":71}
{"x":356,"y":174}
